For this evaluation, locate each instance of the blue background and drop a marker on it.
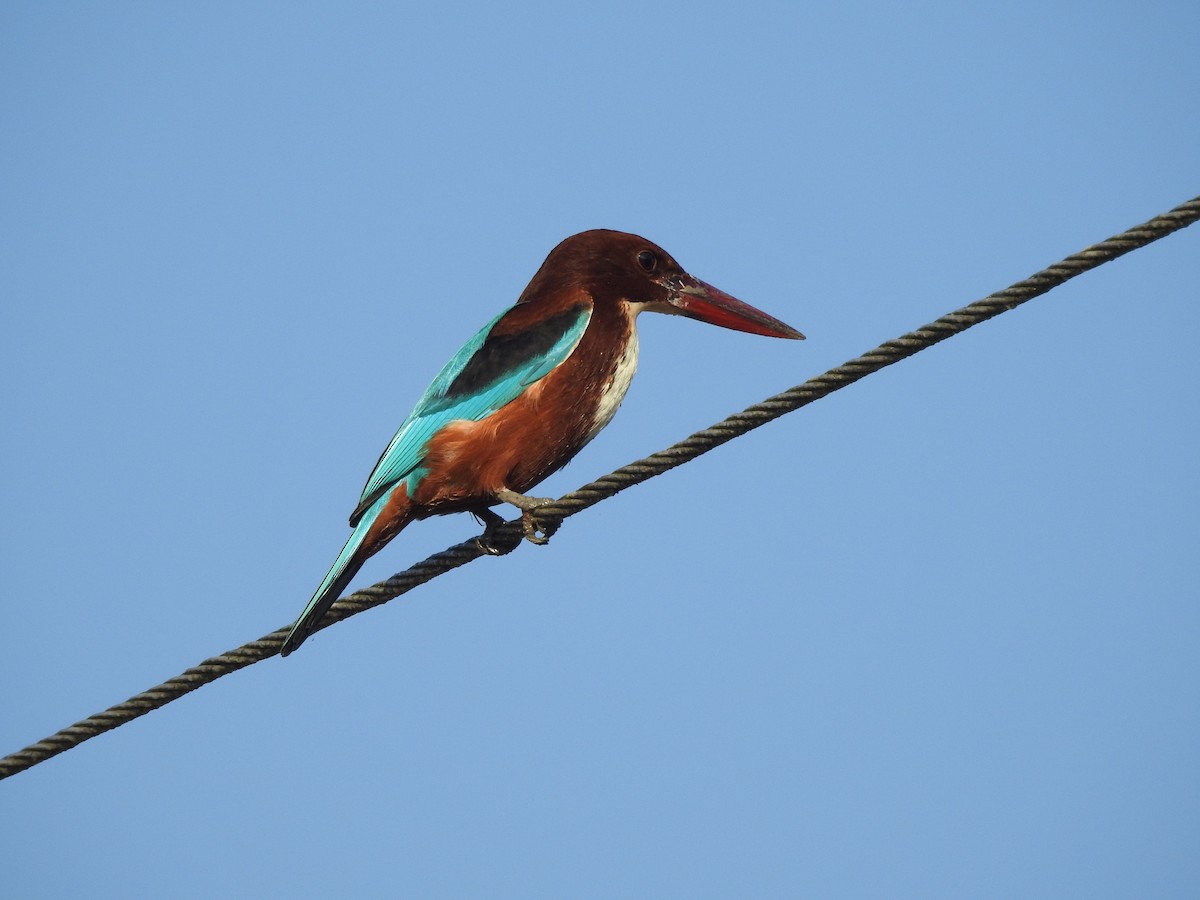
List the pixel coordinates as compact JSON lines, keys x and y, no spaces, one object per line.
{"x":935,"y":636}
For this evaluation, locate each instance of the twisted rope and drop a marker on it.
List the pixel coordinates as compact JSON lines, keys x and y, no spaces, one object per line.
{"x":508,"y":536}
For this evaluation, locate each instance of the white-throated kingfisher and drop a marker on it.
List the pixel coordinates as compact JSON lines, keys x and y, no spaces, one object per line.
{"x":525,"y":394}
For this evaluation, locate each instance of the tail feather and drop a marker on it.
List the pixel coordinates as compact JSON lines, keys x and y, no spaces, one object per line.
{"x":339,"y":576}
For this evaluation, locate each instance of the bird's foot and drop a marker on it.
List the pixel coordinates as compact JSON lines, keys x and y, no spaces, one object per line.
{"x":535,"y":530}
{"x":490,"y":541}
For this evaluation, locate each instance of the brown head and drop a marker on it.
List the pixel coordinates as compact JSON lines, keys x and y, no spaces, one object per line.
{"x":615,"y":267}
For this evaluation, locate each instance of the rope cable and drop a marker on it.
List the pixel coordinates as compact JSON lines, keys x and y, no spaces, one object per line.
{"x":508,"y":536}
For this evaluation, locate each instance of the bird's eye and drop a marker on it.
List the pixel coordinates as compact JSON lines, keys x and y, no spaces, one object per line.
{"x":647,"y":260}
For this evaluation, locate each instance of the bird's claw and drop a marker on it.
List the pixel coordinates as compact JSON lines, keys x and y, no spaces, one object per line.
{"x":535,"y":530}
{"x":490,"y":542}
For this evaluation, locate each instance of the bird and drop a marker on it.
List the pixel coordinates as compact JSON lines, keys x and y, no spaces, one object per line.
{"x":525,"y":395}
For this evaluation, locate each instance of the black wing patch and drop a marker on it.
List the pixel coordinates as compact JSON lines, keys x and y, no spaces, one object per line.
{"x":500,"y":354}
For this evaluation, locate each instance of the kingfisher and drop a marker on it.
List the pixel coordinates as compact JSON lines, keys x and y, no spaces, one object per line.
{"x":525,"y":394}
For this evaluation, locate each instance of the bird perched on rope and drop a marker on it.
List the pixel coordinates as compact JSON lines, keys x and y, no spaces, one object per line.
{"x":525,"y":394}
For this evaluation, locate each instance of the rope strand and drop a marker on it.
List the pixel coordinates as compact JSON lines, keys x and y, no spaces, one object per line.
{"x":508,"y":536}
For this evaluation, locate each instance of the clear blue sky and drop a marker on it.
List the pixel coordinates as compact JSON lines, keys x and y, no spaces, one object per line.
{"x":935,"y":636}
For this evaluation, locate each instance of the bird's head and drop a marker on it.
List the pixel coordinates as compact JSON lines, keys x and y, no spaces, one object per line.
{"x":619,"y":268}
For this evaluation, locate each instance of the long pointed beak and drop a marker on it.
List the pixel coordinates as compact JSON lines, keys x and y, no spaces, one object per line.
{"x":698,"y":300}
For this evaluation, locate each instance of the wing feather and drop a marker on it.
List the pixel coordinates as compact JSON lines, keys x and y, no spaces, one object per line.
{"x":489,"y":372}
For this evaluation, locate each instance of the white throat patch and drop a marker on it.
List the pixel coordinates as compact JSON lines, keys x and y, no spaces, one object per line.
{"x":615,"y":390}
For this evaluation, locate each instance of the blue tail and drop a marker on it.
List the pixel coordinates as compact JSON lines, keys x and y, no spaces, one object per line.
{"x":343,"y":570}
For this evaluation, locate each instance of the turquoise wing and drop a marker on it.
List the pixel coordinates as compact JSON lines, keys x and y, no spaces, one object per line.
{"x":488,"y":373}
